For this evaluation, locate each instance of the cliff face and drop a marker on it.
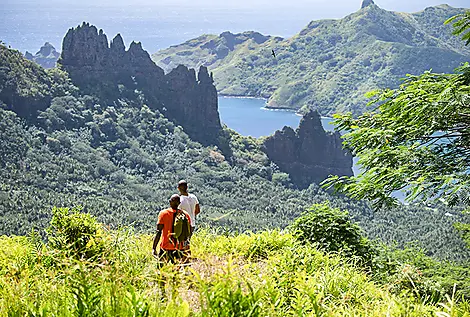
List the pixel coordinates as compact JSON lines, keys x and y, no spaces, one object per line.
{"x":47,"y":56}
{"x":308,"y":154}
{"x":106,"y":70}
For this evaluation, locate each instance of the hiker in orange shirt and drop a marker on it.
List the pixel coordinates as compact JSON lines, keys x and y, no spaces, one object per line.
{"x":171,"y":248}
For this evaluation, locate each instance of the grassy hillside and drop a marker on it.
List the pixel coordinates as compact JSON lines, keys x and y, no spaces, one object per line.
{"x":330,"y":64}
{"x":266,"y":274}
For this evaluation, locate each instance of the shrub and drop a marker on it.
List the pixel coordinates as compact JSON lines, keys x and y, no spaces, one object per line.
{"x":281,"y":178}
{"x":331,"y":230}
{"x":261,"y":245}
{"x":410,"y":278}
{"x":75,"y":232}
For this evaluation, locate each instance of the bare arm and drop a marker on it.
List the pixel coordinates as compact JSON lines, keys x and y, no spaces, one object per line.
{"x":157,"y":238}
{"x":197,"y":210}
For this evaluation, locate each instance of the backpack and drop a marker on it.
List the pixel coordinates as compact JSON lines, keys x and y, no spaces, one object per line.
{"x":181,"y":227}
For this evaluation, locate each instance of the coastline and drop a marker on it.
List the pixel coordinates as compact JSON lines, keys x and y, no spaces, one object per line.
{"x":286,"y":109}
{"x":240,"y":97}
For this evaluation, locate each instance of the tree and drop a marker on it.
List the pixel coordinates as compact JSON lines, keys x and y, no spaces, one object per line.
{"x":416,"y":138}
{"x":461,"y":25}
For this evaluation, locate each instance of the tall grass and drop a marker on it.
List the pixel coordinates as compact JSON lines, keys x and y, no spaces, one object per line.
{"x":265,"y":274}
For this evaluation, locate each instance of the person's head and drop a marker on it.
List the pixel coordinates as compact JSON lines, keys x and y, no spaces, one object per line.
{"x":183,"y":186}
{"x":174,"y":201}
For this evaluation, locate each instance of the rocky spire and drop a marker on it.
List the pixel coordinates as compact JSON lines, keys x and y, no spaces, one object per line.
{"x":366,"y":3}
{"x":203,"y":76}
{"x":28,"y":55}
{"x":310,"y":124}
{"x":47,"y":50}
{"x":85,"y":46}
{"x":308,"y":154}
{"x":117,"y":44}
{"x":46,"y":56}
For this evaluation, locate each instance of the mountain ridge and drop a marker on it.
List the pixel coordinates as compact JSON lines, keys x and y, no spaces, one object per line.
{"x":47,"y":56}
{"x":330,"y":64}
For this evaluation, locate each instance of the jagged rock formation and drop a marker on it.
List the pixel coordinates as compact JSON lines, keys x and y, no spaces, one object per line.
{"x":309,"y":154}
{"x":104,"y":70}
{"x":47,"y":56}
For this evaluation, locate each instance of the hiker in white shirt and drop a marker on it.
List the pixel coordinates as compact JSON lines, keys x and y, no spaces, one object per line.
{"x":188,"y":203}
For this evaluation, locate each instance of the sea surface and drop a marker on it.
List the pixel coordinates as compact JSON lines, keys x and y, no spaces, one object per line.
{"x":26,"y":25}
{"x":248,"y":116}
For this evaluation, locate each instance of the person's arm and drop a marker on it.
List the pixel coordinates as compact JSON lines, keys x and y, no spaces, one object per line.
{"x":157,"y":238}
{"x":197,"y":210}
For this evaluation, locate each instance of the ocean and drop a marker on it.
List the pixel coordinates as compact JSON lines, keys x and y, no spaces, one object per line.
{"x":27,"y":25}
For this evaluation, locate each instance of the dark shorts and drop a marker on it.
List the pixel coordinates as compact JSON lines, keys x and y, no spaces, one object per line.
{"x":170,"y":256}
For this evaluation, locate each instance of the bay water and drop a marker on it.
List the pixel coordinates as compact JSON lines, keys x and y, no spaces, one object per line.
{"x":248,"y":116}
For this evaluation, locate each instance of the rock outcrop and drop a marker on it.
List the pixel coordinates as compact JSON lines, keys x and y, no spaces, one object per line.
{"x":104,"y":70}
{"x":47,"y":56}
{"x":309,"y":154}
{"x":367,"y":3}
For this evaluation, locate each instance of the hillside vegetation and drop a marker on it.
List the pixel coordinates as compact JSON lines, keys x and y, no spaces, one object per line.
{"x":330,"y":64}
{"x":122,"y":162}
{"x":97,"y":272}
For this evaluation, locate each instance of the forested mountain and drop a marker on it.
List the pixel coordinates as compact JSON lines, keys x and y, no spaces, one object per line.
{"x":117,"y":149}
{"x":330,"y":64}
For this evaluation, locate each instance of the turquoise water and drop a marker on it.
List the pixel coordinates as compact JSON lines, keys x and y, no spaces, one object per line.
{"x":248,"y":116}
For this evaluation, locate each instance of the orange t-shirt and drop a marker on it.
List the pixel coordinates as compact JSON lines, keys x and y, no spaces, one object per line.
{"x":165,"y":218}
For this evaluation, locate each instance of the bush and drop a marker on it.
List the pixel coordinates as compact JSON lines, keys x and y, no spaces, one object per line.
{"x":331,"y":230}
{"x":77,"y":233}
{"x":261,"y":245}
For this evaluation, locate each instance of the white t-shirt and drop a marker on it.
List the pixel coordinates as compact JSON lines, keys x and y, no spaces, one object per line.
{"x":188,"y":204}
